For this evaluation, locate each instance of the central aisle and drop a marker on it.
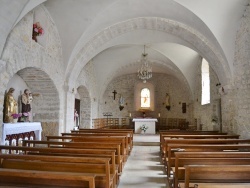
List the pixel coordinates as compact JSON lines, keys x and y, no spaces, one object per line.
{"x":143,"y":168}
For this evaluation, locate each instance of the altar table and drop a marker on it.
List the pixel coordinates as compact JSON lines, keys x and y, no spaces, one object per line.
{"x":17,"y":128}
{"x":148,"y":122}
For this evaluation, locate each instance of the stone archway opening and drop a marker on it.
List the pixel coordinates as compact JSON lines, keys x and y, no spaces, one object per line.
{"x":46,"y":103}
{"x":85,"y":107}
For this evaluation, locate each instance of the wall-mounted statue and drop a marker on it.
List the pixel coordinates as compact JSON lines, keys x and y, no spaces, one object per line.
{"x":167,"y":102}
{"x":26,"y":100}
{"x":10,"y":106}
{"x":121,"y":103}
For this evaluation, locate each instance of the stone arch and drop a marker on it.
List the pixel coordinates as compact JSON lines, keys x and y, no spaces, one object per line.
{"x":46,"y":105}
{"x":48,"y":100}
{"x":85,"y":107}
{"x":207,"y":49}
{"x":22,"y":55}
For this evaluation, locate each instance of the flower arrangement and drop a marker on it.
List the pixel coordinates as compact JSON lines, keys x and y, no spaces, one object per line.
{"x":37,"y":31}
{"x":15,"y":116}
{"x":144,"y":128}
{"x":25,"y":116}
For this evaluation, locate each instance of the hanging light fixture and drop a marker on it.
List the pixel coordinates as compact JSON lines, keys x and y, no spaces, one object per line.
{"x":145,"y":72}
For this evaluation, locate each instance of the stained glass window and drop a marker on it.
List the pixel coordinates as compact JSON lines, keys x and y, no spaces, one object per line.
{"x":145,"y":98}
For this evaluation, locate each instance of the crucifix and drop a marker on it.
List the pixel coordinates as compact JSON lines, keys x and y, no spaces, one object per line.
{"x":114,"y":93}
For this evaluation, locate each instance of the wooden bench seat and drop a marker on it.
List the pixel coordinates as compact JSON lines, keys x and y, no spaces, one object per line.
{"x":27,"y":178}
{"x":216,"y":174}
{"x":172,"y":148}
{"x":92,"y":138}
{"x":187,"y":136}
{"x":179,"y":132}
{"x":65,"y":152}
{"x":83,"y":145}
{"x":206,"y":158}
{"x":129,"y":131}
{"x":128,"y":140}
{"x":218,"y":136}
{"x":200,"y":141}
{"x":100,"y":167}
{"x":218,"y":185}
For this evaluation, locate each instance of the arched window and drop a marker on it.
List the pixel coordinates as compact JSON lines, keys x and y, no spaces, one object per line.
{"x":145,"y":98}
{"x":205,"y":80}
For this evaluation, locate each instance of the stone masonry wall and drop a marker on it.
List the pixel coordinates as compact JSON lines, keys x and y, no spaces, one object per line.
{"x":88,"y":96}
{"x":242,"y":77}
{"x":124,"y":86}
{"x":21,"y":53}
{"x":204,"y":113}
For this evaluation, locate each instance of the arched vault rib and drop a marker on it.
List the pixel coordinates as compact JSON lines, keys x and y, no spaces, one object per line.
{"x":199,"y":41}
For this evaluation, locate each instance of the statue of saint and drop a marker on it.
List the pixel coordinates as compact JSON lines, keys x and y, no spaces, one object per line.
{"x":121,"y":103}
{"x":167,"y":101}
{"x":10,"y":106}
{"x":26,"y":101}
{"x":76,"y":120}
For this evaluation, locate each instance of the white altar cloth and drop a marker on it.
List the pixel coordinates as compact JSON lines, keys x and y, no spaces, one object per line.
{"x":16,"y":128}
{"x":148,"y":122}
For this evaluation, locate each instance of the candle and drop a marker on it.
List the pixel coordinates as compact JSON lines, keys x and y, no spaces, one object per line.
{"x":159,"y":114}
{"x":129,"y":114}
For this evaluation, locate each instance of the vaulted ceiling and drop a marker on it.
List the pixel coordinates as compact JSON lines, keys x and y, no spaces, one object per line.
{"x":176,"y":34}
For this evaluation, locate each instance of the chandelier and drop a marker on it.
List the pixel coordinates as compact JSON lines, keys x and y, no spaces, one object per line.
{"x":145,"y":72}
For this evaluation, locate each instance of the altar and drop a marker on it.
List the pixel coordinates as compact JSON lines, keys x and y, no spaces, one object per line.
{"x":148,"y":122}
{"x":18,"y":128}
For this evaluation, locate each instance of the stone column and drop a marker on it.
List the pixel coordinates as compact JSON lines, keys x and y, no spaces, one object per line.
{"x":69,"y":108}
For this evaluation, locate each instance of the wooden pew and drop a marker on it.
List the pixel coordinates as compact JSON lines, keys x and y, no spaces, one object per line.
{"x":206,"y":158}
{"x":65,"y":152}
{"x":94,"y":138}
{"x":180,"y":132}
{"x":189,"y":136}
{"x":189,"y":132}
{"x":196,"y":137}
{"x":82,"y":145}
{"x":128,"y":140}
{"x":203,"y":136}
{"x":217,"y":175}
{"x":17,"y":177}
{"x":200,"y":141}
{"x":100,"y":167}
{"x":130,"y":131}
{"x":172,"y":148}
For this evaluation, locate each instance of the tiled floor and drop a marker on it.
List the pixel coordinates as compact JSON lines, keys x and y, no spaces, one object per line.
{"x":143,"y":168}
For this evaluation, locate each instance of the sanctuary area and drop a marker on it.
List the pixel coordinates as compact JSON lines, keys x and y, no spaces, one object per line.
{"x":100,"y":87}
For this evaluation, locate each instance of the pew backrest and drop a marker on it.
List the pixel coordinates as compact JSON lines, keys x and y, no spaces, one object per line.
{"x":217,"y":173}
